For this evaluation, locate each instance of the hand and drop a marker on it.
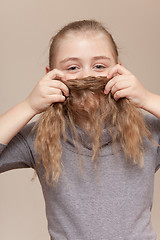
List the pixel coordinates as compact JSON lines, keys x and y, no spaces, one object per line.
{"x":124,"y":84}
{"x":47,"y":91}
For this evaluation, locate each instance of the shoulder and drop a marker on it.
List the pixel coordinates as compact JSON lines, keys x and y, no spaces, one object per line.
{"x":28,"y":132}
{"x":28,"y":129}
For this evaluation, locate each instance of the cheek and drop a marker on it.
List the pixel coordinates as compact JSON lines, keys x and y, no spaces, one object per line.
{"x":71,"y":76}
{"x":102,"y":74}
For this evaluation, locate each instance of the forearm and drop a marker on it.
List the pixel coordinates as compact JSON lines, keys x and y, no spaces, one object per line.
{"x":14,"y":120}
{"x":152,"y":104}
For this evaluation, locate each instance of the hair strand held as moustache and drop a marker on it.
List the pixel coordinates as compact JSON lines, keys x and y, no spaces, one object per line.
{"x":88,"y":107}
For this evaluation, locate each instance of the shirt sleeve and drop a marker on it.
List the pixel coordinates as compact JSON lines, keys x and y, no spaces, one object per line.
{"x":18,"y":153}
{"x":2,"y":146}
{"x":158,"y":159}
{"x":155,"y":126}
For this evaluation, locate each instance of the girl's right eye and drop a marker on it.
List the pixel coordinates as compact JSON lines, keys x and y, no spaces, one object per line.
{"x":72,"y":68}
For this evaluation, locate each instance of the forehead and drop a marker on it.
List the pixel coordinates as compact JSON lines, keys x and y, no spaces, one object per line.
{"x":76,"y":36}
{"x":88,"y":41}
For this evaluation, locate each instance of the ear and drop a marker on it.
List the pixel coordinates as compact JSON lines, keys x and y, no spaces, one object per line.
{"x":47,"y":69}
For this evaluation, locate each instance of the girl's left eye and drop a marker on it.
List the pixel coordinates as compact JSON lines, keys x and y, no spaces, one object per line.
{"x":99,"y":66}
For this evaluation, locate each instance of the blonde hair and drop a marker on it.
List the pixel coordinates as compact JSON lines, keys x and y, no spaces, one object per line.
{"x":88,"y":107}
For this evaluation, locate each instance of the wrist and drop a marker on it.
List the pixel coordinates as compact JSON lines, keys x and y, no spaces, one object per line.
{"x":147,"y":100}
{"x":28,"y":109}
{"x":152,"y":104}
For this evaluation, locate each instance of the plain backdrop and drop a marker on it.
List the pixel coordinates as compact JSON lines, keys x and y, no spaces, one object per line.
{"x":26,"y":27}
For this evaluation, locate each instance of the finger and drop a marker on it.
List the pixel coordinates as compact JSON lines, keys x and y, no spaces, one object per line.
{"x":114,"y":81}
{"x":56,"y":98}
{"x":59,"y":85}
{"x":55,"y":91}
{"x":55,"y":74}
{"x":121,"y":94}
{"x":119,"y":86}
{"x":118,"y":69}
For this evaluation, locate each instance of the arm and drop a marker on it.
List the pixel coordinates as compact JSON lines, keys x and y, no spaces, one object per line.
{"x":14,"y":120}
{"x":43,"y":95}
{"x":124,"y":84}
{"x":153,"y":104}
{"x":19,"y":152}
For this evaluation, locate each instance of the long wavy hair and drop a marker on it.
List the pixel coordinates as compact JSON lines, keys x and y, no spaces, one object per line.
{"x":88,"y":107}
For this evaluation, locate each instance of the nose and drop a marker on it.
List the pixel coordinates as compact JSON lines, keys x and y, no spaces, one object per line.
{"x":87,"y":72}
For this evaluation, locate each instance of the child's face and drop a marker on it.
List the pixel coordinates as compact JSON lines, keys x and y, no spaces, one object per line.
{"x":80,"y":55}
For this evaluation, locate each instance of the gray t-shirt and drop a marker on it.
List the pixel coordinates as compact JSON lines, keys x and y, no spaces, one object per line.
{"x":114,"y":205}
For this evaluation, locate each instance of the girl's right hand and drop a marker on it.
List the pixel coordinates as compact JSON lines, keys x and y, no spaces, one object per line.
{"x":48,"y":90}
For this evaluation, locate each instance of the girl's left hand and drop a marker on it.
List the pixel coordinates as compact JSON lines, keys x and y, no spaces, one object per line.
{"x":124,"y":84}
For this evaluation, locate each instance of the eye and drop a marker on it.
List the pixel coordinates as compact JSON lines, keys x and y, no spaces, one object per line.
{"x":99,"y":66}
{"x":72,"y":68}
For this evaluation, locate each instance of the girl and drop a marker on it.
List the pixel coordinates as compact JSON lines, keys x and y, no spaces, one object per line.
{"x":118,"y":206}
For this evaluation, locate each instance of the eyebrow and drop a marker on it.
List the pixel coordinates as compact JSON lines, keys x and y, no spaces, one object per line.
{"x":101,"y":57}
{"x":76,"y":59}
